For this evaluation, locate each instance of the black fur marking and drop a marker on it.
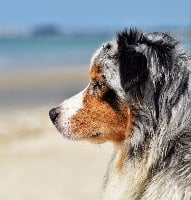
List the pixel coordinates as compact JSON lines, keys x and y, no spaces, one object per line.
{"x":133,"y":64}
{"x":129,"y":37}
{"x":107,"y":46}
{"x":111,"y":98}
{"x":133,"y":69}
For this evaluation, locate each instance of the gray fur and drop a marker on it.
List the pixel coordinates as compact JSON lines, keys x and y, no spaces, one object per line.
{"x":158,"y":163}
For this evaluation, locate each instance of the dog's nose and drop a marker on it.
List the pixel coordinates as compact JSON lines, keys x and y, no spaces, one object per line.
{"x":53,"y":114}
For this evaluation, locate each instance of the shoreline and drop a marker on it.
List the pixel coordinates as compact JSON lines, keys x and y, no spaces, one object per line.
{"x":34,"y":76}
{"x":38,"y":89}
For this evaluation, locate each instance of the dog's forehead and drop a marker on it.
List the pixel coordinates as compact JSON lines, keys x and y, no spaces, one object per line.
{"x":106,"y":58}
{"x":107,"y":50}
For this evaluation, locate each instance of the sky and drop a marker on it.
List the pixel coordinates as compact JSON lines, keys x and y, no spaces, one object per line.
{"x":74,"y":14}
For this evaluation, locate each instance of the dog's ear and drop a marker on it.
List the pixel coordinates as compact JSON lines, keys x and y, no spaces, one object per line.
{"x":132,"y":61}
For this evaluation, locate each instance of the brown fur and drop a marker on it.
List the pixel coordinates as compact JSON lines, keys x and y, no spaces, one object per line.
{"x":97,"y":116}
{"x":121,"y":159}
{"x":96,"y":74}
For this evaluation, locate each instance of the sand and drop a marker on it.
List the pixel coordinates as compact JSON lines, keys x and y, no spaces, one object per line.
{"x":36,"y":162}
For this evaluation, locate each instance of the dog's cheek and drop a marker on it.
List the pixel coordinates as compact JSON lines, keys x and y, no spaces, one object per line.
{"x":83,"y":125}
{"x":98,"y":122}
{"x":88,"y":120}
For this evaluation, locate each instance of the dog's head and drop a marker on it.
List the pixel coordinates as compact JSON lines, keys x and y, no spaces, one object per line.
{"x":120,"y":73}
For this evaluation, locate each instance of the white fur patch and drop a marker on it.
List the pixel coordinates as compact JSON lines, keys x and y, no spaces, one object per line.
{"x":105,"y":58}
{"x":125,"y":184}
{"x":72,"y":105}
{"x":67,"y":110}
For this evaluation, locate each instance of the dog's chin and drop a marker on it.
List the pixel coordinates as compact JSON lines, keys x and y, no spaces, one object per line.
{"x":65,"y":130}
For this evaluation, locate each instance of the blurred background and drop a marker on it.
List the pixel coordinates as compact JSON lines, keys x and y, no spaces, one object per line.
{"x":45,"y":51}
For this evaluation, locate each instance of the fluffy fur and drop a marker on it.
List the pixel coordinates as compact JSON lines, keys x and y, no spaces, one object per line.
{"x":139,"y":99}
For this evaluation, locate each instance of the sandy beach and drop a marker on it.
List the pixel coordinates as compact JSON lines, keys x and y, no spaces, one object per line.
{"x":35,"y":161}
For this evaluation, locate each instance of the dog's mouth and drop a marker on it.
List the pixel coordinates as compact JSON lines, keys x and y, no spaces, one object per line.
{"x":95,"y":134}
{"x":69,"y":134}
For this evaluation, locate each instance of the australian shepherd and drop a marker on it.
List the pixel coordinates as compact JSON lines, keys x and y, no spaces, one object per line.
{"x":138,"y":98}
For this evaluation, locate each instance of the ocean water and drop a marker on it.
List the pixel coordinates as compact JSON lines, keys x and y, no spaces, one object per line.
{"x":41,"y":53}
{"x":46,"y":52}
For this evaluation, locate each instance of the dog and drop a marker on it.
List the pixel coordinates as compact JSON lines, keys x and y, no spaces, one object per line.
{"x":138,"y":98}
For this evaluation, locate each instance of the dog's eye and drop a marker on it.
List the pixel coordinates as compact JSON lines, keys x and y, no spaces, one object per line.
{"x":97,"y":85}
{"x":115,"y":56}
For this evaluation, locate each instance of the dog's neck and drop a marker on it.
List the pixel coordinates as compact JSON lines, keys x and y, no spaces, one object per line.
{"x":132,"y":166}
{"x":125,"y":176}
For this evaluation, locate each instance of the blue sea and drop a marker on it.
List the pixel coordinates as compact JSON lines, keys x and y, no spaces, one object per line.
{"x":41,"y":53}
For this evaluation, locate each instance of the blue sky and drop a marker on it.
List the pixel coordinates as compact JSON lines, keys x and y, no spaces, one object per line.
{"x":95,"y":14}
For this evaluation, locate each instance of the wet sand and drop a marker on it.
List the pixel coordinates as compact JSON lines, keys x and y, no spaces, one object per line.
{"x":36,"y":162}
